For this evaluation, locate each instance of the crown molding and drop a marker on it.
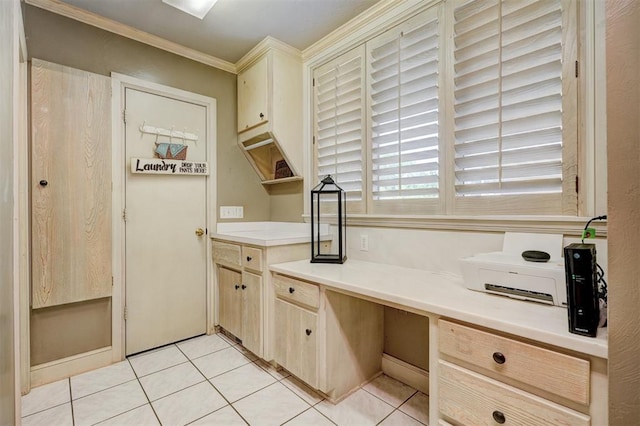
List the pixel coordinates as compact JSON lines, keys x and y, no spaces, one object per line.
{"x":81,"y":15}
{"x":268,"y":43}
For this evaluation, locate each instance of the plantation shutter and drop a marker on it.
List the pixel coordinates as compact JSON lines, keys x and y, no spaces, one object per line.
{"x":403,"y":74}
{"x":514,"y":107}
{"x":340,"y":125}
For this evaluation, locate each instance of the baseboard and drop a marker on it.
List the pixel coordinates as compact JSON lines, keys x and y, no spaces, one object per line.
{"x":70,"y":366}
{"x":406,"y":373}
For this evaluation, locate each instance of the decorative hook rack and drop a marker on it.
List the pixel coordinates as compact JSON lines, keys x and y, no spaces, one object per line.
{"x":170,"y":133}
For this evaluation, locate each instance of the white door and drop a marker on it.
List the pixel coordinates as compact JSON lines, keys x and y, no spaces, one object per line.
{"x":166,"y":272}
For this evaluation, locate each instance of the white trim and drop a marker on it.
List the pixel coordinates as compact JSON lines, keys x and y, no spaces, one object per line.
{"x":118,"y":84}
{"x":70,"y":366}
{"x":409,"y":374}
{"x":81,"y":15}
{"x":260,"y":49}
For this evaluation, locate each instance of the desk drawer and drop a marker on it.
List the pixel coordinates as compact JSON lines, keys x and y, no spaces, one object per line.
{"x":472,"y":399}
{"x":252,"y":258}
{"x":560,"y":374}
{"x":296,"y":291}
{"x":226,"y":253}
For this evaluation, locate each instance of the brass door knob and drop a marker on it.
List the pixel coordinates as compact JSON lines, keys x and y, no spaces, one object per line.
{"x":199,"y":232}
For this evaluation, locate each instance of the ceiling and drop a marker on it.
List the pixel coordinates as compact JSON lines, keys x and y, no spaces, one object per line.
{"x":232,"y":27}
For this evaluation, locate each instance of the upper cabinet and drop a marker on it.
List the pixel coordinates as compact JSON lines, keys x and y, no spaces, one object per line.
{"x":270,"y":111}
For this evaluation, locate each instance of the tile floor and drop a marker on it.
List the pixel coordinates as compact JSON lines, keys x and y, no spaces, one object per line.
{"x":210,"y":380}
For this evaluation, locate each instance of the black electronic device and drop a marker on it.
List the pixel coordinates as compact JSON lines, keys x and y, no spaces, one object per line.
{"x":582,"y":288}
{"x":535,"y":256}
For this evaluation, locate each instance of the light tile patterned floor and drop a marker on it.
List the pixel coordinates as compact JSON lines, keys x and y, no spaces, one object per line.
{"x":209,"y":380}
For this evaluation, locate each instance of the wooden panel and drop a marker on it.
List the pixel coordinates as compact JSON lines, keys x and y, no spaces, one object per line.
{"x":296,"y":341}
{"x":71,"y":215}
{"x":472,"y":399}
{"x":230,"y":300}
{"x":252,"y":258}
{"x":561,"y":374}
{"x":252,"y":312}
{"x":354,"y":330}
{"x":299,"y":292}
{"x":253,"y":95}
{"x":226,"y":253}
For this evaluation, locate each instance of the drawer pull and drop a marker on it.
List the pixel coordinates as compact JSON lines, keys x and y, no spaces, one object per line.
{"x":248,"y":258}
{"x":237,"y":286}
{"x":308,"y":331}
{"x":498,"y":416}
{"x":291,"y":290}
{"x":244,"y":286}
{"x":499,"y":357}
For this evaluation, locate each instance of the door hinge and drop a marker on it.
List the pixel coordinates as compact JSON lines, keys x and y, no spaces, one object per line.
{"x":125,"y":313}
{"x":111,"y":280}
{"x":124,"y":116}
{"x":124,"y":214}
{"x":313,"y":82}
{"x":577,"y":185}
{"x":577,"y":69}
{"x":314,"y":140}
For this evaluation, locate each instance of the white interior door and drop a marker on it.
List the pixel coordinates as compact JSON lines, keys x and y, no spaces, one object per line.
{"x":166,"y":271}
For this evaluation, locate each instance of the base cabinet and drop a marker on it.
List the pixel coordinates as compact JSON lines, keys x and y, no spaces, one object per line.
{"x":230,"y":306}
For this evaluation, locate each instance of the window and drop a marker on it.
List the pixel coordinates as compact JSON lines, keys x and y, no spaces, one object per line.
{"x":469,"y":107}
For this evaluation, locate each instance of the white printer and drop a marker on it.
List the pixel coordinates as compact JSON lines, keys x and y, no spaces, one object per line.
{"x":506,"y":273}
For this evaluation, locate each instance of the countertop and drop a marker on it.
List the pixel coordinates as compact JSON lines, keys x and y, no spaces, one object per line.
{"x":266,"y":234}
{"x":445,"y":295}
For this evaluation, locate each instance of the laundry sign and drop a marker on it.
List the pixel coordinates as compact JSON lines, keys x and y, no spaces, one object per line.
{"x":160,"y":166}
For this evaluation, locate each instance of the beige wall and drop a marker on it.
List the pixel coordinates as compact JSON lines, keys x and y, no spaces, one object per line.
{"x":71,"y":43}
{"x":286,"y":202}
{"x":7,"y":360}
{"x":623,"y":153}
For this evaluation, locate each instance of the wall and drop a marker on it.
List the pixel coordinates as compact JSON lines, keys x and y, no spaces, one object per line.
{"x":286,"y":202}
{"x":7,"y":358}
{"x":67,"y":42}
{"x":623,"y":153}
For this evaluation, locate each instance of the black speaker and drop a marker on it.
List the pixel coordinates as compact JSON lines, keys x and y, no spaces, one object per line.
{"x":582,"y":288}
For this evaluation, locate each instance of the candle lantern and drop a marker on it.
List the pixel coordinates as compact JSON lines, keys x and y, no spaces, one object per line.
{"x":328,"y":206}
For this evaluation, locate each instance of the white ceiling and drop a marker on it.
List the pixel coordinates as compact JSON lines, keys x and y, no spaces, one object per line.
{"x":232,"y":27}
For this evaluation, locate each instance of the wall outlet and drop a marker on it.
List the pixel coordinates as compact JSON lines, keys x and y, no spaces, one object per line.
{"x":231,"y":212}
{"x":364,"y":242}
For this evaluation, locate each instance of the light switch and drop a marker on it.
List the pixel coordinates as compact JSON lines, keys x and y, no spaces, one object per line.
{"x":231,"y":212}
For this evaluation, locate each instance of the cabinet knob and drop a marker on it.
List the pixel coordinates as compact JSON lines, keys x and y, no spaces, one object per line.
{"x":237,"y":286}
{"x":44,"y":183}
{"x":499,"y":357}
{"x":261,"y":115}
{"x":291,"y":290}
{"x":244,"y":286}
{"x":249,"y":258}
{"x":308,"y":331}
{"x":498,"y":416}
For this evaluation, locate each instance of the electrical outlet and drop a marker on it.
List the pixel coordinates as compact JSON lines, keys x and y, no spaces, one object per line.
{"x":231,"y":212}
{"x":364,"y":242}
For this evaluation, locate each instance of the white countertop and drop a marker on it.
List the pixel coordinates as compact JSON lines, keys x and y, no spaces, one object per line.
{"x":445,"y":295}
{"x":267,"y":234}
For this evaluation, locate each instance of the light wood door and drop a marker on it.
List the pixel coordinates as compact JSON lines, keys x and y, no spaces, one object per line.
{"x":166,"y":256}
{"x":230,"y":300}
{"x":253,"y":95}
{"x":296,"y":341}
{"x":252,"y":312}
{"x":70,"y":185}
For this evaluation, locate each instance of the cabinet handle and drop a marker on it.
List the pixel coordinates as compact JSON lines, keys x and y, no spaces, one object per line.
{"x":244,"y":286}
{"x":499,"y":357}
{"x":249,"y":258}
{"x":237,"y":286}
{"x":498,"y":416}
{"x":291,"y":290}
{"x":308,"y":331}
{"x":43,"y":182}
{"x":261,"y":115}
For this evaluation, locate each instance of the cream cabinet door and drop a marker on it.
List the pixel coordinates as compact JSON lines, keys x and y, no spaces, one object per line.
{"x":296,"y":341}
{"x":230,"y":295}
{"x":252,"y":312}
{"x":253,"y":95}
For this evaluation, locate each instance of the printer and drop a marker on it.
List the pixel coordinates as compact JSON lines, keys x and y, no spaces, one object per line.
{"x":506,"y":273}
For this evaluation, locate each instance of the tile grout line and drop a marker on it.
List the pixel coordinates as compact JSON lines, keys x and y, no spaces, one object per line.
{"x":144,"y":391}
{"x":73,"y":418}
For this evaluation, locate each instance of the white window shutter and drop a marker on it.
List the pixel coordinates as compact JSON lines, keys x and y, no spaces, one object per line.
{"x":404,"y":112}
{"x":339,"y":125}
{"x":510,"y":73}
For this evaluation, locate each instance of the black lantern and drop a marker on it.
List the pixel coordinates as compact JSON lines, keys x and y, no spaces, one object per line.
{"x":328,"y":205}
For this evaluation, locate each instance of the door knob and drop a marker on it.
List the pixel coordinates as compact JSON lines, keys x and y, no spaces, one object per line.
{"x":43,"y":182}
{"x":199,"y":232}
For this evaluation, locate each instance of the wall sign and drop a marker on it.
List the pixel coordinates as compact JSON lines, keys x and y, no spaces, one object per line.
{"x":160,"y":166}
